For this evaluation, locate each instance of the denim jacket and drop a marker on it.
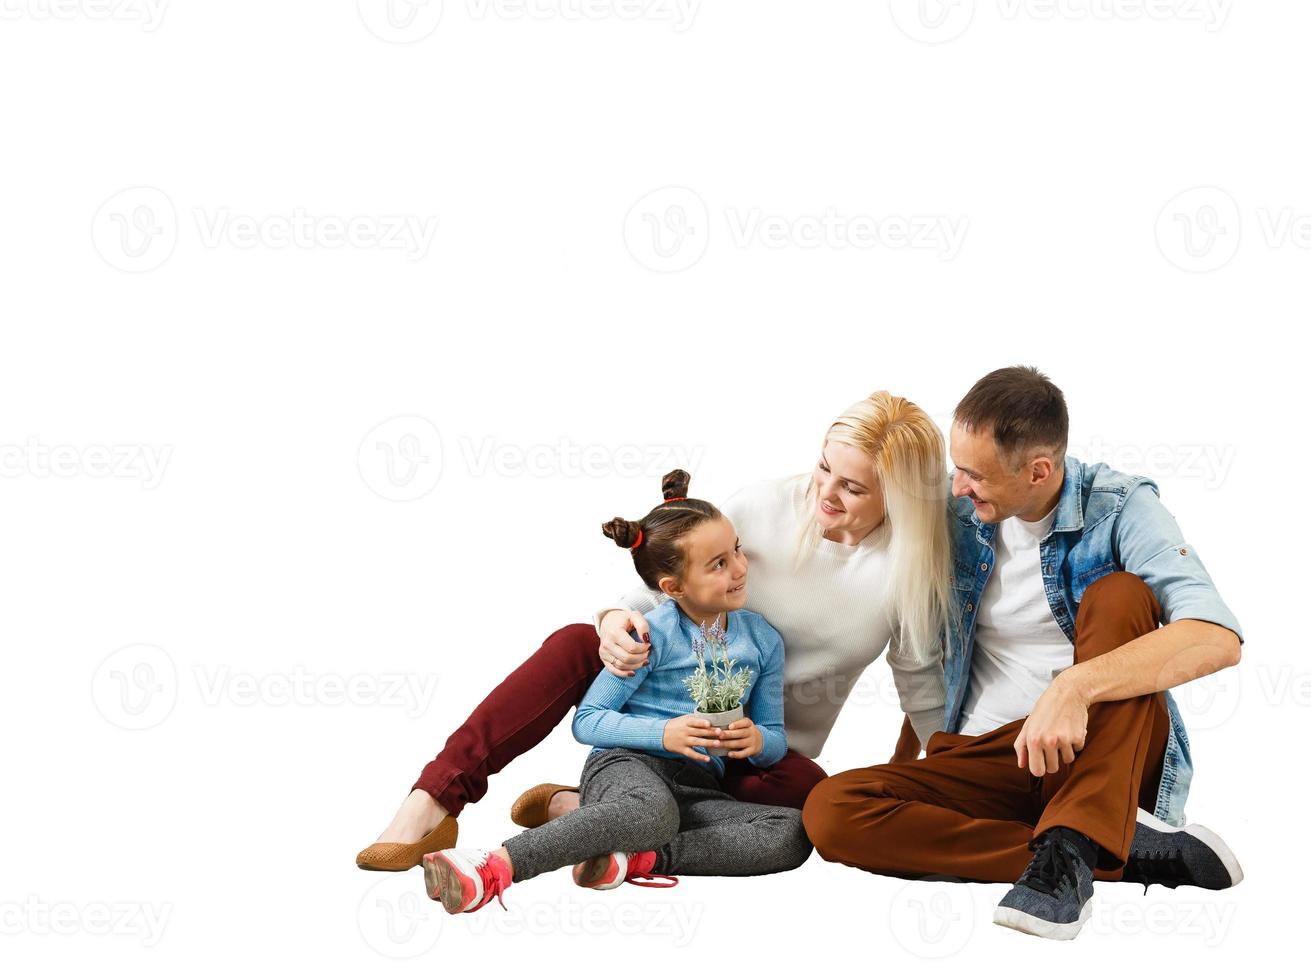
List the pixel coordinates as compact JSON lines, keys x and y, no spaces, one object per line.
{"x":1105,"y":522}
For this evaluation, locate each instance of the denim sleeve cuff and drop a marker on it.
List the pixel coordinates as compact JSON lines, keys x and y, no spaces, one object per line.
{"x":1204,"y":604}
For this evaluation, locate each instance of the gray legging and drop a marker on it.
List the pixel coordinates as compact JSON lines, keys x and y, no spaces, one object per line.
{"x":631,"y":801}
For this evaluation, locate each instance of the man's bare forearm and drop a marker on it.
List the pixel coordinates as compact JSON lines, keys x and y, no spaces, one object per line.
{"x":1157,"y":661}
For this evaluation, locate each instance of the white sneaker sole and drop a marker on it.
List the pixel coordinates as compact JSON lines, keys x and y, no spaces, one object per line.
{"x":1207,"y":836}
{"x":1034,"y":926}
{"x":591,"y":873}
{"x":446,"y":877}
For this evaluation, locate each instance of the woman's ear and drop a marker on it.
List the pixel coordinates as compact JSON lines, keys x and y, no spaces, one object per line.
{"x":671,"y":587}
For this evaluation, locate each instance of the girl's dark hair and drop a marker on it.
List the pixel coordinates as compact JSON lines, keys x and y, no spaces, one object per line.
{"x":660,"y":552}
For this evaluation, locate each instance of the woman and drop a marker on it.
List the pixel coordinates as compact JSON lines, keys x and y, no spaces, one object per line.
{"x":847,"y":560}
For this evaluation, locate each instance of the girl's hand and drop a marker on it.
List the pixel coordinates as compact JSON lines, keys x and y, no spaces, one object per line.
{"x":684,"y":733}
{"x":621,"y":654}
{"x":743,"y":738}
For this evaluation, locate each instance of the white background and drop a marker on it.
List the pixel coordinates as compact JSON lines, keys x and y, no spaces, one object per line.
{"x":203,"y":546}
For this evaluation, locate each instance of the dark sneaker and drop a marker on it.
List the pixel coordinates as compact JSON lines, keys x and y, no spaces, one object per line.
{"x":1051,"y":898}
{"x":1173,"y":856}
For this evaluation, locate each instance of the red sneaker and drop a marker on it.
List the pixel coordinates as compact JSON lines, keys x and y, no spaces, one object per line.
{"x":612,"y":870}
{"x":464,"y":879}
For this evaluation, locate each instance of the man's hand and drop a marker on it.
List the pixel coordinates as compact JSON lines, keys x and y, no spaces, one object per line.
{"x":743,"y":738}
{"x":621,"y":654}
{"x":1055,"y":730}
{"x":684,"y":733}
{"x":908,"y":744}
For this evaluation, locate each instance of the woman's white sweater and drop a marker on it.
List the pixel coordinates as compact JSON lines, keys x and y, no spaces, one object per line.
{"x":834,"y":613}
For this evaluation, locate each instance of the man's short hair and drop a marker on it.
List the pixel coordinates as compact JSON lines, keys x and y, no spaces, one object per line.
{"x":1022,"y":408}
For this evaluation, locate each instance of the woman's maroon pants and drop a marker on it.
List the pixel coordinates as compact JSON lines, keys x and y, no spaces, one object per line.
{"x":536,"y":697}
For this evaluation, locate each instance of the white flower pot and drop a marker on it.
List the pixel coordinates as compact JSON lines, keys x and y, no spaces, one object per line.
{"x":721,"y":719}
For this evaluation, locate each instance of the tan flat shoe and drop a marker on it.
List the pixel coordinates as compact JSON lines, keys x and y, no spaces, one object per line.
{"x":388,"y":856}
{"x":529,"y":810}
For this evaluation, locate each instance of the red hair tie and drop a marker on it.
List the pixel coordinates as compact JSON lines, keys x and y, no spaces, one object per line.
{"x":670,"y":500}
{"x":638,"y":543}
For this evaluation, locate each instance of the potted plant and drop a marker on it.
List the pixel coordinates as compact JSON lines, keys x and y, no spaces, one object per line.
{"x":716,"y":688}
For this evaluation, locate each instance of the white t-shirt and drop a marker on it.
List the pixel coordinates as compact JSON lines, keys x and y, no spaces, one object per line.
{"x":835,"y":614}
{"x":1018,"y":645}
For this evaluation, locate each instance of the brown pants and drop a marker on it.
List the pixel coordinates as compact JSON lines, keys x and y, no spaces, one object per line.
{"x":968,"y":811}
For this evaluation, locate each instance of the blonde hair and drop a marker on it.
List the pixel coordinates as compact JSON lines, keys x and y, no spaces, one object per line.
{"x":909,"y":457}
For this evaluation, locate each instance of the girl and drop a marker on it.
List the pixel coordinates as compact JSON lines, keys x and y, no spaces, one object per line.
{"x":651,"y":804}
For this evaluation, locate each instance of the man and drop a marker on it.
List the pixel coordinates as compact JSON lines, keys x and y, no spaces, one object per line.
{"x":1059,"y":726}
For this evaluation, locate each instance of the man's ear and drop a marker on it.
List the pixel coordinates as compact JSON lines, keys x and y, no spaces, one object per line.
{"x":671,"y":587}
{"x":1041,"y":469}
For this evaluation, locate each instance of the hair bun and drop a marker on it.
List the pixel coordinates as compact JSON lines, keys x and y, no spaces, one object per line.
{"x":675,"y":484}
{"x":622,"y":532}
